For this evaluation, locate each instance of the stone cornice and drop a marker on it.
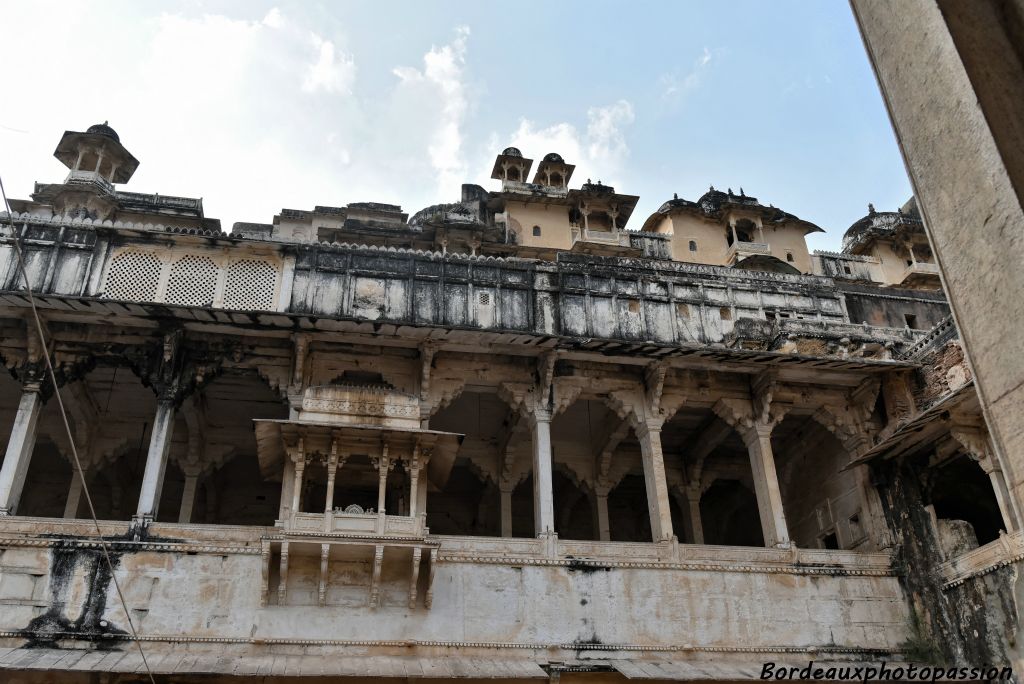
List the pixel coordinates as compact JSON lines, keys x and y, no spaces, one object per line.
{"x":504,"y":645}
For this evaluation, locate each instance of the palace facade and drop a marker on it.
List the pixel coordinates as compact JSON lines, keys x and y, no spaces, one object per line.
{"x":502,"y":438}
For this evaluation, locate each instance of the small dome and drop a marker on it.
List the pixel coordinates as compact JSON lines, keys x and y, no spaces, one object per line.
{"x":104,"y":129}
{"x":554,"y":157}
{"x":512,"y":152}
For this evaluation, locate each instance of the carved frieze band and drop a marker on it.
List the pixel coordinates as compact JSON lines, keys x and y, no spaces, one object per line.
{"x":118,"y":545}
{"x":413,"y":643}
{"x":362,"y":407}
{"x":672,"y":565}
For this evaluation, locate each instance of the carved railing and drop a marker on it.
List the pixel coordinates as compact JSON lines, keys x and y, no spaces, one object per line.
{"x":90,"y":177}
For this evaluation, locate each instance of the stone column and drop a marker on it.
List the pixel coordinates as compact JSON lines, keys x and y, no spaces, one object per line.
{"x":156,"y":460}
{"x":382,"y":486}
{"x":766,"y":484}
{"x":19,"y":448}
{"x":299,"y":466}
{"x":74,"y":494}
{"x":384,"y":464}
{"x":1002,"y":493}
{"x":694,"y":524}
{"x":421,"y":501}
{"x":506,"y":487}
{"x":649,"y":435}
{"x":604,"y":529}
{"x":284,"y":507}
{"x":333,"y":463}
{"x":415,"y":466}
{"x":188,"y":495}
{"x":543,"y":495}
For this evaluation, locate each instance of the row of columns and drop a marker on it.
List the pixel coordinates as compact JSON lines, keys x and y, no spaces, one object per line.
{"x":22,"y":442}
{"x":384,"y":463}
{"x":756,"y":437}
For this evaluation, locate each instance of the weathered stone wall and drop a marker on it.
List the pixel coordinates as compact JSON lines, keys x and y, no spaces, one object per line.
{"x":211,"y":591}
{"x":578,"y":296}
{"x":966,"y":625}
{"x":888,"y":306}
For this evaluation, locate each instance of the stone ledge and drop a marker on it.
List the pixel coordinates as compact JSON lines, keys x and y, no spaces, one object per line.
{"x":1006,"y":550}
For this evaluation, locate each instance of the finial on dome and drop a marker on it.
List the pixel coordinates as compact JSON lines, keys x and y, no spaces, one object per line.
{"x":675,"y":195}
{"x":742,"y":194}
{"x":871,"y":208}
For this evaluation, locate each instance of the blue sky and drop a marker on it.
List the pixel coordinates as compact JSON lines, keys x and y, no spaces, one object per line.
{"x":255,"y":106}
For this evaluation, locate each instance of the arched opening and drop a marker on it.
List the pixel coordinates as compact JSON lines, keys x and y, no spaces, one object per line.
{"x":730,"y":515}
{"x":513,"y":173}
{"x":574,"y":512}
{"x":961,"y":491}
{"x":212,"y":473}
{"x":823,"y":503}
{"x":218,"y":449}
{"x":88,"y":161}
{"x":745,"y":230}
{"x":47,"y":481}
{"x":489,"y":492}
{"x":599,"y":481}
{"x":466,"y":506}
{"x":628,"y":514}
{"x":704,"y":458}
{"x":112,"y":418}
{"x":556,"y":180}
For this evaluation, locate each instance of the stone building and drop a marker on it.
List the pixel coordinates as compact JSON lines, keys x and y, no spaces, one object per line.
{"x":505,"y":437}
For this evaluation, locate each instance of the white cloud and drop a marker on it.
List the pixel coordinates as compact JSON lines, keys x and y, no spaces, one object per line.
{"x":274,"y":18}
{"x":674,"y":85}
{"x":607,"y":143}
{"x":439,"y":90}
{"x":599,"y":153}
{"x":329,"y":73}
{"x":252,"y":114}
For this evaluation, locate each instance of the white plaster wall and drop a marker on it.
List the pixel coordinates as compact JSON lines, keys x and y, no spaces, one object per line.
{"x":218,"y":594}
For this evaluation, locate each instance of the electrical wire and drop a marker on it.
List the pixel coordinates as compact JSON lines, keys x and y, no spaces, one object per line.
{"x":67,"y":426}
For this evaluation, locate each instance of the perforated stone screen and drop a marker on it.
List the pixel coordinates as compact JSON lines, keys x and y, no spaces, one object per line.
{"x":133,"y":276}
{"x":250,"y":286}
{"x":193,"y":281}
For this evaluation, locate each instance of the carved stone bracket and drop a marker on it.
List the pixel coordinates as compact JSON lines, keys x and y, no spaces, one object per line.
{"x":174,"y":369}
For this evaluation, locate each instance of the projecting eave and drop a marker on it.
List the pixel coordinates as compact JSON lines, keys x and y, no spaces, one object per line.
{"x":922,"y":431}
{"x":271,"y":436}
{"x":770,"y":216}
{"x":455,"y":338}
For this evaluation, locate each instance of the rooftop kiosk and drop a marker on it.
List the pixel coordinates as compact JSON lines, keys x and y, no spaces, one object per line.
{"x":355,"y":468}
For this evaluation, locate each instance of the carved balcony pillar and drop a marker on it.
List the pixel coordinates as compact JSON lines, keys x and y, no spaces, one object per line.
{"x":757,"y":438}
{"x":74,"y":500}
{"x":543,"y":494}
{"x":649,"y":434}
{"x":602,"y":523}
{"x":506,"y":487}
{"x":188,"y":493}
{"x":19,"y":447}
{"x":694,"y":531}
{"x":156,"y":460}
